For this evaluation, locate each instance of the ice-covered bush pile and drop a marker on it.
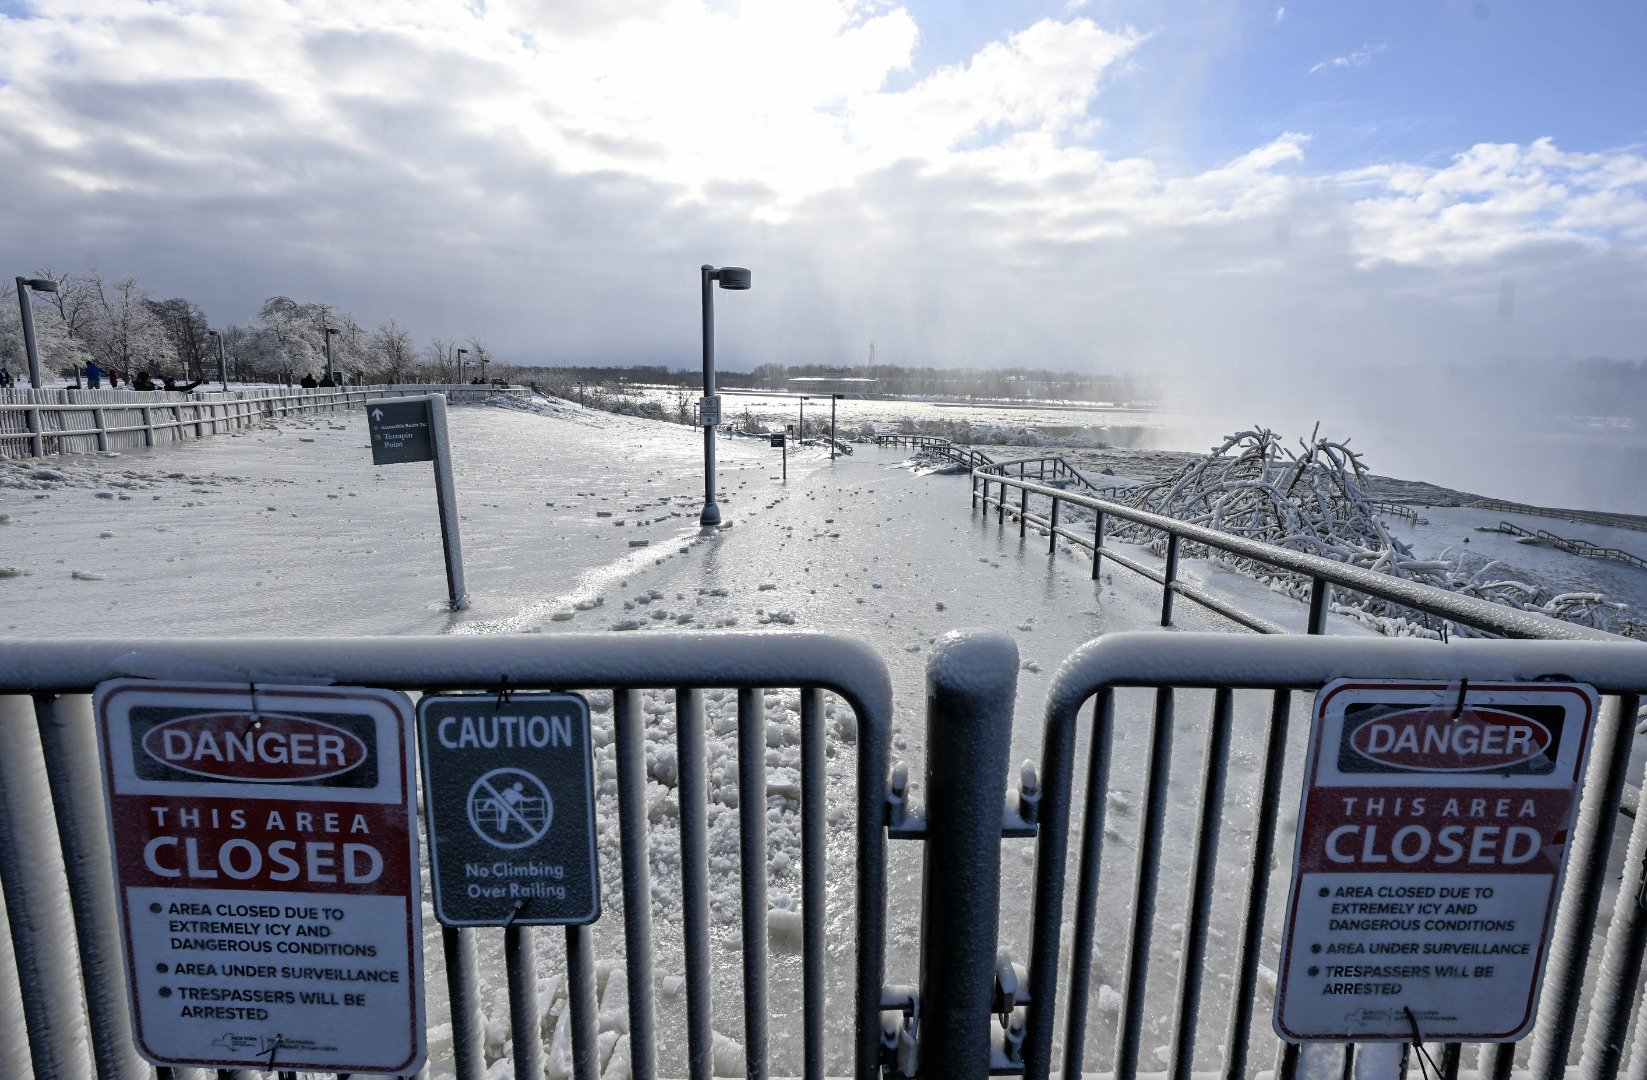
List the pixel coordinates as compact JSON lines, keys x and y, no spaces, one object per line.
{"x":1314,"y":499}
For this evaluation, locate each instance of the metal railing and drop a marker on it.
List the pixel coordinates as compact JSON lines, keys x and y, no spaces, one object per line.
{"x":1323,"y":574}
{"x":1568,"y":544}
{"x":66,"y":954}
{"x":1167,"y":668}
{"x":37,"y":423}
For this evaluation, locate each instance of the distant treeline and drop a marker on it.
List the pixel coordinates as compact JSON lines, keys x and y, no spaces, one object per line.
{"x":117,"y":324}
{"x":1006,"y":383}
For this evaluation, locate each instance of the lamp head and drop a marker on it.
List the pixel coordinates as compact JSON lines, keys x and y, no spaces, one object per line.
{"x":733,"y":277}
{"x":462,"y":352}
{"x":41,"y":284}
{"x":213,"y":333}
{"x":333,"y":330}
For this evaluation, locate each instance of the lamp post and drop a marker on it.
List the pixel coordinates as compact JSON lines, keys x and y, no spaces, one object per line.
{"x":803,"y":419}
{"x":735,"y":278}
{"x":833,"y":398}
{"x":460,"y":354}
{"x":482,"y":357}
{"x":222,"y":361}
{"x":330,"y":332}
{"x":23,"y":286}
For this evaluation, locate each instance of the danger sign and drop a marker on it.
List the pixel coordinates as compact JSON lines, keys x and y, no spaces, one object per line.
{"x":1429,"y":859}
{"x":265,"y":854}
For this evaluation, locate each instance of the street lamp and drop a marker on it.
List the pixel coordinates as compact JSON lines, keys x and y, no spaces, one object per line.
{"x":331,"y":331}
{"x":833,"y":398}
{"x":460,"y":353}
{"x":38,"y":285}
{"x":735,"y":278}
{"x":222,"y":361}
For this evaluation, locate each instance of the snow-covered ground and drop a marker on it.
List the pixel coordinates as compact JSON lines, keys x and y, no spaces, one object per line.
{"x":291,"y":530}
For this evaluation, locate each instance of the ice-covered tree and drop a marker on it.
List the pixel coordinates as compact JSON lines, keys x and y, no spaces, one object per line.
{"x":122,"y":331}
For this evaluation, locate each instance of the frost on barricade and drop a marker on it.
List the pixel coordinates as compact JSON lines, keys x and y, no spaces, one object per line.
{"x":978,"y":663}
{"x":167,"y":667}
{"x":1315,"y":500}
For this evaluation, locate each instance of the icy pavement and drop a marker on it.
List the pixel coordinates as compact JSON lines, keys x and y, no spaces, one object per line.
{"x":578,"y":521}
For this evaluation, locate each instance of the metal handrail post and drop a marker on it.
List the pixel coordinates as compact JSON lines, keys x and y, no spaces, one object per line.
{"x":972,"y":680}
{"x":1097,"y":543}
{"x":1320,"y":594}
{"x":1168,"y":579}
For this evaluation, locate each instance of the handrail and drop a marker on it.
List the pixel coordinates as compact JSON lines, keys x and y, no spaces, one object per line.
{"x":199,"y":410}
{"x":1465,"y":610}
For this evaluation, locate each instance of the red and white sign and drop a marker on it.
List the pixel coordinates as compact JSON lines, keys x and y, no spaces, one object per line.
{"x":1431,"y":847}
{"x":265,"y":856}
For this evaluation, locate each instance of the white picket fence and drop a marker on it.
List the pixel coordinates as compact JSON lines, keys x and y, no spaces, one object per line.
{"x":38,"y":423}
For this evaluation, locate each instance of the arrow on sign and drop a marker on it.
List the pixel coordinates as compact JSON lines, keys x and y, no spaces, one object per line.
{"x":377,"y":414}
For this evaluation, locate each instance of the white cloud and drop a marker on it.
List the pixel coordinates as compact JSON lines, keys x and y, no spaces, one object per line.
{"x":573,"y":163}
{"x":1359,"y":58}
{"x":1280,"y":14}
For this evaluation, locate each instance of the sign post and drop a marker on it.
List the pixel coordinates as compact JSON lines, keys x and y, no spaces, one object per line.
{"x":778,"y":440}
{"x":414,"y":429}
{"x":265,"y":859}
{"x":509,"y":796}
{"x":1431,"y":848}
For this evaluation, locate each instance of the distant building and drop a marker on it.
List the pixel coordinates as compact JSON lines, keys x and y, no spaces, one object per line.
{"x":835,"y":384}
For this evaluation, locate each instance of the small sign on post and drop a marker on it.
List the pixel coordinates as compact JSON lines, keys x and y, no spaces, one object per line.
{"x":709,"y":411}
{"x":400,"y":431}
{"x":1431,"y":848}
{"x":509,"y":797}
{"x":414,"y":429}
{"x":265,"y":860}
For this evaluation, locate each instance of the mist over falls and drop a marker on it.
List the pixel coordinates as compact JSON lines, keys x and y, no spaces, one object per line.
{"x":1570,"y":434}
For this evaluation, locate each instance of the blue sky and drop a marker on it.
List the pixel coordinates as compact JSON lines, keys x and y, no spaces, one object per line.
{"x":1420,"y":79}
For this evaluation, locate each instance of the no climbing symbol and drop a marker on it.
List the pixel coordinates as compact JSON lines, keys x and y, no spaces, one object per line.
{"x":510,"y":809}
{"x":509,"y":797}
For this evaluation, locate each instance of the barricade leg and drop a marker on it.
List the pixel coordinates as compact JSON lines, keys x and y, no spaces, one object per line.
{"x":972,"y":679}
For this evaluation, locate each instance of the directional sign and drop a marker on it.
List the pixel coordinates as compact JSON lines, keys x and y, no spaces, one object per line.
{"x":509,"y":796}
{"x":1431,"y":848}
{"x":777,"y":438}
{"x":400,"y":432}
{"x":265,"y":856}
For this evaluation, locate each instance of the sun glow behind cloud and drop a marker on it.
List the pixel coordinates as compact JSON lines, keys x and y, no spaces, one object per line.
{"x":584,"y":156}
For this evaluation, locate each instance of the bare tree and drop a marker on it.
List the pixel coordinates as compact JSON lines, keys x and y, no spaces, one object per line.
{"x":392,"y":351}
{"x":442,"y":360}
{"x":184,"y":324}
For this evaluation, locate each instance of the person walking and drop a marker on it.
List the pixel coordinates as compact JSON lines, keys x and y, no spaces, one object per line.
{"x":308,"y":382}
{"x":94,"y":375}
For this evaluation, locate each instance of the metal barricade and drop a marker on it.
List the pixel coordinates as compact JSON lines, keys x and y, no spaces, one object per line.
{"x":66,"y":958}
{"x":1168,"y":668}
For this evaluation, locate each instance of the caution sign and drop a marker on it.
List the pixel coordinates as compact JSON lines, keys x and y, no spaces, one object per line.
{"x":509,"y":795}
{"x":1430,"y":853}
{"x":400,"y":431}
{"x":265,"y":856}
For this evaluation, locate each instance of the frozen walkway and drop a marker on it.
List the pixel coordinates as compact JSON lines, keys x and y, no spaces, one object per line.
{"x":292,"y":530}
